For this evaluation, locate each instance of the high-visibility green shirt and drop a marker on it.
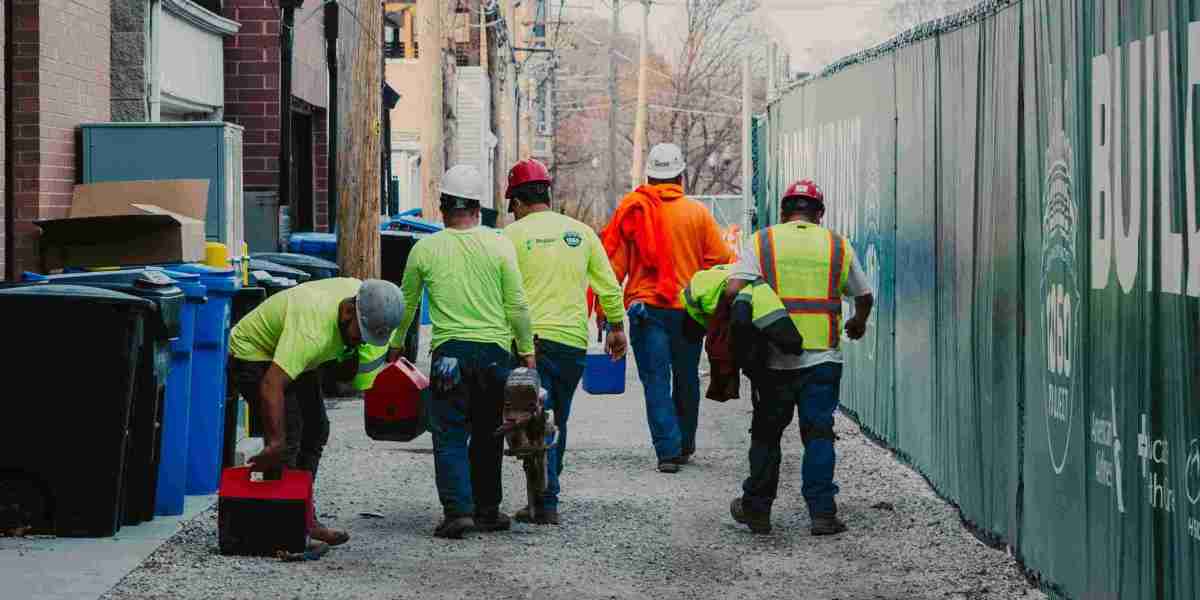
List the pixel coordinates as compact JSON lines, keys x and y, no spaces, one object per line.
{"x":296,"y":329}
{"x":475,"y":290}
{"x":559,"y":257}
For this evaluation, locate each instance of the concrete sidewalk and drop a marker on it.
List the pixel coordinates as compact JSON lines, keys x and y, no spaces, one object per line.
{"x":50,"y":568}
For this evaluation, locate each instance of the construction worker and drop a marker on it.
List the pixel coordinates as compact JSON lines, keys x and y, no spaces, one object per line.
{"x":811,"y":269}
{"x":657,"y":239}
{"x":559,"y":257}
{"x":275,"y":351}
{"x":477,"y":306}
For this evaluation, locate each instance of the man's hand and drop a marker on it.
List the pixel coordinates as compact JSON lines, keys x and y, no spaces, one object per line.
{"x":529,"y":361}
{"x":856,"y":328}
{"x":269,"y":459}
{"x":616,"y":345}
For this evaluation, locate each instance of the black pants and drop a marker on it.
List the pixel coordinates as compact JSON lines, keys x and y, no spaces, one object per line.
{"x":306,"y":424}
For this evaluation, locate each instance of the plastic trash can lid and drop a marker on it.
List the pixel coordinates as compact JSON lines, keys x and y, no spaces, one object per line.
{"x":216,"y":279}
{"x":291,"y":258}
{"x":278,"y":270}
{"x":73,"y":293}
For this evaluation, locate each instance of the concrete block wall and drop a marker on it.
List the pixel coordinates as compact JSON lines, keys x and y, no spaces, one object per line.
{"x":61,"y":78}
{"x":128,"y":53}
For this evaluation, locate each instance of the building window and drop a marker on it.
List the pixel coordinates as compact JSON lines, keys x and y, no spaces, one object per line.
{"x":463,"y":6}
{"x":539,"y":19}
{"x":544,"y":110}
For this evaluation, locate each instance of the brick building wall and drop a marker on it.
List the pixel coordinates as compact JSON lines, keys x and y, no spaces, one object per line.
{"x":61,"y":78}
{"x":3,"y":136}
{"x":252,"y":58}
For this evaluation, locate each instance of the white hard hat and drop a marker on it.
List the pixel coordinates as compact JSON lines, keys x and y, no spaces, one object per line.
{"x":463,"y":181}
{"x":665,"y":162}
{"x":380,"y":310}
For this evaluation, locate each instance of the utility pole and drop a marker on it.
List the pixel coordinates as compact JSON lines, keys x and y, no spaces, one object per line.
{"x":432,"y":14}
{"x":494,"y":32}
{"x":286,"y":39}
{"x":747,"y":155}
{"x":613,"y":193}
{"x":639,"y":130}
{"x":358,"y":199}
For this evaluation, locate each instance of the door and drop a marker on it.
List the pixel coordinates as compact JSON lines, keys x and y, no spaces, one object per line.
{"x":302,"y":173}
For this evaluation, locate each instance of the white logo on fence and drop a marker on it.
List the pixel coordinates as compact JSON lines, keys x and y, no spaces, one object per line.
{"x":1105,"y":435}
{"x":1060,"y":291}
{"x":1193,"y":472}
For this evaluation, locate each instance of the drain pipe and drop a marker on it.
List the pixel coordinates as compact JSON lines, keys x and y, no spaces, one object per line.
{"x":331,"y":113}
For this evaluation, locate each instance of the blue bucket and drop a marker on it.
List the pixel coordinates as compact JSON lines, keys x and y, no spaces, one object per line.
{"x":602,"y":376}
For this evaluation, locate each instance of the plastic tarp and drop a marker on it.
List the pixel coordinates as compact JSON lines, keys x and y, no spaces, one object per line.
{"x":1019,"y":182}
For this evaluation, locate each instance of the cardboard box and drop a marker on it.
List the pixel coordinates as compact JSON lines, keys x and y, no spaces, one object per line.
{"x":128,"y":223}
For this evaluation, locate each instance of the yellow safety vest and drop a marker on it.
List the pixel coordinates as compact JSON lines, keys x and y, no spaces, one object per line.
{"x":702,"y":294}
{"x":807,"y":265}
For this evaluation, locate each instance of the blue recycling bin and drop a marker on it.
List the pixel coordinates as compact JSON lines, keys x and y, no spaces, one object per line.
{"x":322,"y":245}
{"x":172,"y":469}
{"x":206,"y":420}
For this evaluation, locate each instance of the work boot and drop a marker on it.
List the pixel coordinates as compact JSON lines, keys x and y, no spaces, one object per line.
{"x":670,"y":465}
{"x":332,"y":537}
{"x":758,"y":522}
{"x":454,"y":528}
{"x":827,"y":525}
{"x":545,"y":517}
{"x":685,"y":457}
{"x":492,"y":520}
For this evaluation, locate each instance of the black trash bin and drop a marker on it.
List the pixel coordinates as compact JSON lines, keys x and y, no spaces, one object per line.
{"x":63,"y":461}
{"x":395,"y":247}
{"x":317,"y":268}
{"x":150,"y":382}
{"x":277,"y":270}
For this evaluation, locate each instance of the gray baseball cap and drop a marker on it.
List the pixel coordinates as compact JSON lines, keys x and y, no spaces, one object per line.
{"x":380,"y":309}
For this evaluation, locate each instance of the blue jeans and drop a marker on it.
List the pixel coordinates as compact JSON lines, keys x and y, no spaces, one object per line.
{"x":560,"y":367}
{"x":669,"y":367}
{"x":814,"y":392}
{"x":463,"y":421}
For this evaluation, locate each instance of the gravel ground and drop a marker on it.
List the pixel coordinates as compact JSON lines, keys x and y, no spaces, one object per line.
{"x":628,"y":531}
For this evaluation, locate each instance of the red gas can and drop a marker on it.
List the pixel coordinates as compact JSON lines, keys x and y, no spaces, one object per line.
{"x":395,"y":404}
{"x":257,"y":515}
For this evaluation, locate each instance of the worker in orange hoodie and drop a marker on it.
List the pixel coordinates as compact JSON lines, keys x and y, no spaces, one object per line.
{"x":657,"y":239}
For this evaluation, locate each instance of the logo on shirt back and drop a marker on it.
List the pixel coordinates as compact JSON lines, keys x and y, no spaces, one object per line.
{"x":572,"y":239}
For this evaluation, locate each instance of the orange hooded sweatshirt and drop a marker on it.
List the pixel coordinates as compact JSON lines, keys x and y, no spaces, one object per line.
{"x":658,"y":238}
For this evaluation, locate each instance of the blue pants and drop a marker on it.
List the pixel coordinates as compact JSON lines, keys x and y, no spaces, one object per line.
{"x":560,"y":368}
{"x":463,"y":421}
{"x":814,"y":393}
{"x":669,"y":367}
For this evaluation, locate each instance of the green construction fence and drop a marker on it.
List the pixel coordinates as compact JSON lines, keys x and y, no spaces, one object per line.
{"x":1019,"y":181}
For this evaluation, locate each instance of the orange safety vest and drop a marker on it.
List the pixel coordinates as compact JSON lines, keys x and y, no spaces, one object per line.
{"x":807,"y":266}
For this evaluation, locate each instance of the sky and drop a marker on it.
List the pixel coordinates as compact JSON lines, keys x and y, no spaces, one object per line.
{"x":814,"y":31}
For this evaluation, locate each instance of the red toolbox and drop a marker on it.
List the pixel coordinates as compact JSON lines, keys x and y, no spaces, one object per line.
{"x":257,"y":515}
{"x":394,"y":408}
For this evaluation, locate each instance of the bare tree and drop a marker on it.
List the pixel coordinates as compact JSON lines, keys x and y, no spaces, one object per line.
{"x":906,"y":14}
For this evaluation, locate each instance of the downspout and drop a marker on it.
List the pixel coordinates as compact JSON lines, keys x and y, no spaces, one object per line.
{"x":286,"y":39}
{"x":153,"y":77}
{"x":332,"y":184}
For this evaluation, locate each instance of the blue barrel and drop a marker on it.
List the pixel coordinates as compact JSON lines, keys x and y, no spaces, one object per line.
{"x":322,"y":245}
{"x":602,"y":376}
{"x":172,"y":468}
{"x":206,"y":420}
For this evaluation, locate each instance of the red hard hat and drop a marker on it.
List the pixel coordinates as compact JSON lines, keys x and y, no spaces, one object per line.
{"x":805,"y":188}
{"x":526,"y":171}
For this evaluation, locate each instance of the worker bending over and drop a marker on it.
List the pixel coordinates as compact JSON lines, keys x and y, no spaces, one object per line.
{"x":559,"y":257}
{"x":276,"y":349}
{"x":476,"y":306}
{"x":811,"y":269}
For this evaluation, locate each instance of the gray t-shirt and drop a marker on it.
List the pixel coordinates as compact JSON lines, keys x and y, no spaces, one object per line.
{"x":748,"y":268}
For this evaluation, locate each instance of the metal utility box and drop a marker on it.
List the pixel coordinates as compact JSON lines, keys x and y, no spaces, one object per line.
{"x":191,"y":150}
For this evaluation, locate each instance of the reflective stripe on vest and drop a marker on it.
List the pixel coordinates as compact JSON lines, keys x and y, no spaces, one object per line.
{"x":806,"y":265}
{"x":765,"y":306}
{"x":371,"y":360}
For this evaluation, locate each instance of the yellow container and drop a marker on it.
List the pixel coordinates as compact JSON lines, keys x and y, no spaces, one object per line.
{"x":216,"y":255}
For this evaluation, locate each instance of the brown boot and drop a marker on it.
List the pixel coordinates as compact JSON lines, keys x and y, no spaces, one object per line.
{"x":333,"y":537}
{"x":545,"y":517}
